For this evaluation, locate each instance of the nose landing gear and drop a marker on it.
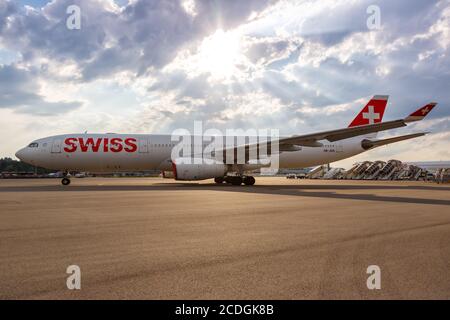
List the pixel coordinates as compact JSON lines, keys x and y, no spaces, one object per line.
{"x":65,"y":180}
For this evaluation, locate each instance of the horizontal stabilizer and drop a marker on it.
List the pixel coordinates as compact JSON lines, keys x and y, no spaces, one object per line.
{"x":368,"y":144}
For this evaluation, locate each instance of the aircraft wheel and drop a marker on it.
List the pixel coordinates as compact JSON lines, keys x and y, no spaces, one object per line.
{"x":219,"y":180}
{"x":236,"y":181}
{"x":65,"y":181}
{"x":249,"y":180}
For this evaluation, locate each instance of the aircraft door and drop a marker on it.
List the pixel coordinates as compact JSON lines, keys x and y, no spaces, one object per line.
{"x":56,"y":146}
{"x":143,"y":146}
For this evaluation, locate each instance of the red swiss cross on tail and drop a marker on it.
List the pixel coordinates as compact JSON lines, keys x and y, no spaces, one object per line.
{"x":421,"y":113}
{"x":372,"y":112}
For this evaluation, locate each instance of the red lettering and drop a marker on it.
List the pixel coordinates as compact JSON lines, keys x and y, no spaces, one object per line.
{"x":83,"y":146}
{"x":96,"y":146}
{"x":105,"y":144}
{"x":71,"y":145}
{"x":116,"y":145}
{"x":131,"y":145}
{"x":90,"y":141}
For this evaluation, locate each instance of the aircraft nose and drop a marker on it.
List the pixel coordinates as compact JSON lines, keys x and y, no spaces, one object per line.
{"x":20,"y":154}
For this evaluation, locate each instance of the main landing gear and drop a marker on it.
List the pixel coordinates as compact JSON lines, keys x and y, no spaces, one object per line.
{"x":249,"y":180}
{"x":236,"y":180}
{"x":219,"y":180}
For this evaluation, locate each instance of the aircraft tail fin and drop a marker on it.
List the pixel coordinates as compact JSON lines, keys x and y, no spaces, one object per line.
{"x":372,"y":112}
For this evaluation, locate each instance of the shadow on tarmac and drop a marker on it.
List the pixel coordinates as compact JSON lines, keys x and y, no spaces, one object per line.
{"x":315,"y":191}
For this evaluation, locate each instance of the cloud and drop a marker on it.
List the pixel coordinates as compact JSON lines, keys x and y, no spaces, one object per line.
{"x":137,"y":37}
{"x":268,"y":50}
{"x":18,"y":91}
{"x":316,"y":78}
{"x":300,"y":66}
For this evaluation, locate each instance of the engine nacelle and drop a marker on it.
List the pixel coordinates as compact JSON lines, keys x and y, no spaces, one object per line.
{"x":197,"y":169}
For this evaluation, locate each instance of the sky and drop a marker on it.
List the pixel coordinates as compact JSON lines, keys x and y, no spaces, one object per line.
{"x":155,"y":66}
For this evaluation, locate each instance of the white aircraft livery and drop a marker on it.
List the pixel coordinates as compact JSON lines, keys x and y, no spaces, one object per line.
{"x":98,"y":153}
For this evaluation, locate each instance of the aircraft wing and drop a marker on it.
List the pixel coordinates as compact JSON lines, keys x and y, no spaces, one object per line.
{"x":313,"y":139}
{"x":309,"y":140}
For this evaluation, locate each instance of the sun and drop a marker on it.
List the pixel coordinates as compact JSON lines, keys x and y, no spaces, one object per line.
{"x":220,"y":53}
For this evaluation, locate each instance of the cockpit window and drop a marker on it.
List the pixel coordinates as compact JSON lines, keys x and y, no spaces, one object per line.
{"x":33,"y":145}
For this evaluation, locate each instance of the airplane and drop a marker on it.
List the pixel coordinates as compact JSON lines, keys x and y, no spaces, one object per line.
{"x":107,"y":153}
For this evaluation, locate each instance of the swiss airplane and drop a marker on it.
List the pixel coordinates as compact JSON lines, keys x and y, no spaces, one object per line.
{"x":98,"y":153}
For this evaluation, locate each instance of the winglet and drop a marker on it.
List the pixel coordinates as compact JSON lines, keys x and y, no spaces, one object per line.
{"x":421,"y":113}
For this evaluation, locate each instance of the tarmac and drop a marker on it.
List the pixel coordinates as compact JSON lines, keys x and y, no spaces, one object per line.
{"x":154,"y":238}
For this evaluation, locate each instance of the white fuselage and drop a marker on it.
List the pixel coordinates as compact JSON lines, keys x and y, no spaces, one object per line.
{"x":140,"y":152}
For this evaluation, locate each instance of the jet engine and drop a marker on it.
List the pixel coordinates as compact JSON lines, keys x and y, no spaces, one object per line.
{"x":197,"y":169}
